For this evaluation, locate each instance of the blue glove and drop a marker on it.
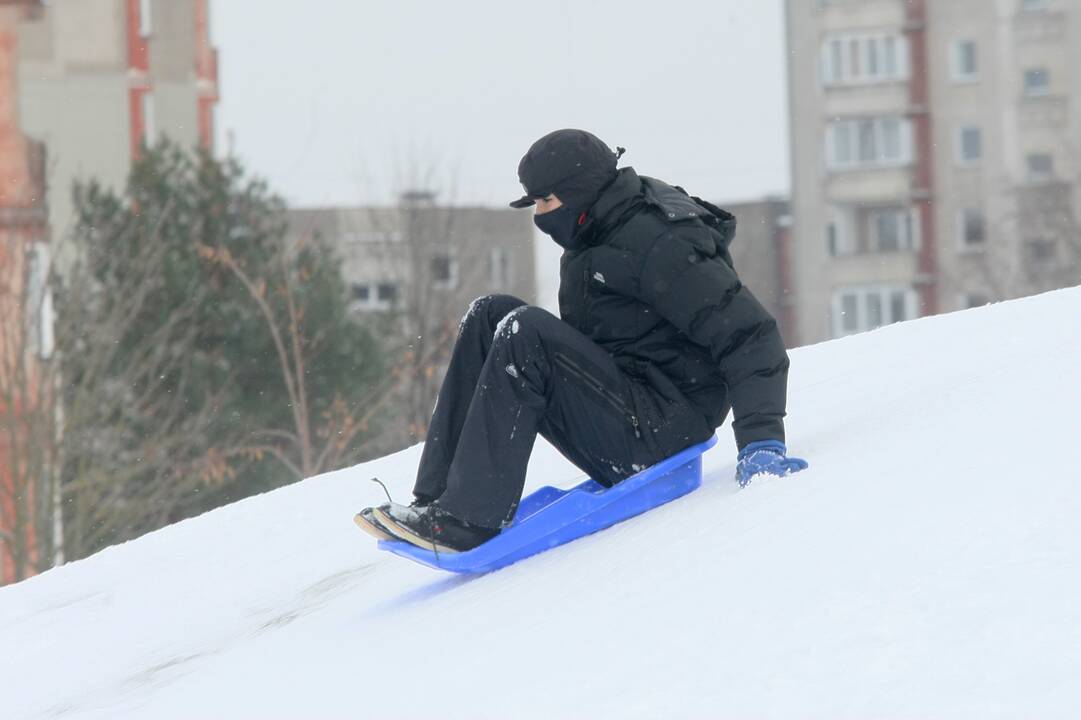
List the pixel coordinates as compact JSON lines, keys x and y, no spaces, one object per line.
{"x":765,"y":457}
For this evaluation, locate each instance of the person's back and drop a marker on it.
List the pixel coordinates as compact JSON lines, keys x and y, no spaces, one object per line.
{"x":648,"y":277}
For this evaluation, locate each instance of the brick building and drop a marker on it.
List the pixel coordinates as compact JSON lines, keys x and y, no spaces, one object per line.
{"x":23,"y":237}
{"x":83,"y":83}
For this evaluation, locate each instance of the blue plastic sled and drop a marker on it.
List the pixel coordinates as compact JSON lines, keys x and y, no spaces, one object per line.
{"x":550,"y":517}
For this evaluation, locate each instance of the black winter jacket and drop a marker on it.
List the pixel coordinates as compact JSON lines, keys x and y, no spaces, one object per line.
{"x":648,"y":277}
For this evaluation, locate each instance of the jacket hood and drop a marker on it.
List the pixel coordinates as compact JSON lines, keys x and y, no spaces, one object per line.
{"x":630,"y":191}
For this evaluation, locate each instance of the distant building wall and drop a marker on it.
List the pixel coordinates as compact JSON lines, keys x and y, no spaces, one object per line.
{"x":421,"y":264}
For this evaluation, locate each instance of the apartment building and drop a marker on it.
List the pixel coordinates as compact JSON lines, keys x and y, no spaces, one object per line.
{"x":97,"y":78}
{"x":934,"y":158}
{"x":420,"y":265}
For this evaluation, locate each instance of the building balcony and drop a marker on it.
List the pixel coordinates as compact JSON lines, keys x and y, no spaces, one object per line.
{"x":1039,"y":26}
{"x":1043,"y":112}
{"x":894,"y":267}
{"x":866,"y":186}
{"x":855,"y":100}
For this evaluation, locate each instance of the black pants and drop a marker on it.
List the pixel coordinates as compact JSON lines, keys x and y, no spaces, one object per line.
{"x":517,"y":370}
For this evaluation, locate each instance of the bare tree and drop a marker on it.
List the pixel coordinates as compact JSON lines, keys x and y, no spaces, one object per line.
{"x":132,"y":449}
{"x":429,"y":253}
{"x":311,"y":445}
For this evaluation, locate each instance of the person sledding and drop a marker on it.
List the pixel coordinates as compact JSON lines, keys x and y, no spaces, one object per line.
{"x":656,"y":341}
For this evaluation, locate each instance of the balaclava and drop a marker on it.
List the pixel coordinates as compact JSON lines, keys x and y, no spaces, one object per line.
{"x":575,"y":165}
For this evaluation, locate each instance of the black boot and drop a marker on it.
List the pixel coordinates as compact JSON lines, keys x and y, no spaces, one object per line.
{"x":432,"y":527}
{"x":366,"y":520}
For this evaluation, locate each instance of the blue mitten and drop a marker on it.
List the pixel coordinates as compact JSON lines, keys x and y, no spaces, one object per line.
{"x":765,"y":457}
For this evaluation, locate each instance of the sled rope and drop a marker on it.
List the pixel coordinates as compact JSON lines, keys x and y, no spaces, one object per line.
{"x":377,"y":480}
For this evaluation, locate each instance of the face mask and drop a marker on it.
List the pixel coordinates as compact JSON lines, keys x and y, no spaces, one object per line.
{"x":560,"y":224}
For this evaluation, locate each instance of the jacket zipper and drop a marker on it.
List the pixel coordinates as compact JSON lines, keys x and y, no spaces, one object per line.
{"x":575,"y":369}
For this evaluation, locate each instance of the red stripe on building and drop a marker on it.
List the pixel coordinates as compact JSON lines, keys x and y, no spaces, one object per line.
{"x":206,"y":69}
{"x":138,"y":71}
{"x":923,"y":176}
{"x":22,"y":224}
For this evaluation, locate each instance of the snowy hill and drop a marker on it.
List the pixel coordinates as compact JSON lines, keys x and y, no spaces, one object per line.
{"x":927,"y":565}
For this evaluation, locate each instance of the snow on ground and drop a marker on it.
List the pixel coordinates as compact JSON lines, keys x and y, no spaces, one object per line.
{"x":928,"y":564}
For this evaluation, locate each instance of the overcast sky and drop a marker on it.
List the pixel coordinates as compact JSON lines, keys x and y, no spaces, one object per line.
{"x":350,"y":101}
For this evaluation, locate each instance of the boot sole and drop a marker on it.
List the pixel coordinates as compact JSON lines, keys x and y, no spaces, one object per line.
{"x":406,"y":535}
{"x":373,"y":527}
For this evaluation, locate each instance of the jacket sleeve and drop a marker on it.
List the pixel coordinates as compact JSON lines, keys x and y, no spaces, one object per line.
{"x":704,"y":299}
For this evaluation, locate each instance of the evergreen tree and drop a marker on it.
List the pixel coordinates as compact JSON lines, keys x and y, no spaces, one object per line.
{"x":205,"y":357}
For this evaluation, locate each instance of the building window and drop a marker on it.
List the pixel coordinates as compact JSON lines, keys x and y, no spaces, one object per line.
{"x":969,"y":145}
{"x":866,"y":308}
{"x":842,"y":233}
{"x":868,"y":142}
{"x":859,"y":230}
{"x":832,"y":245}
{"x":39,"y":306}
{"x":1037,"y":81}
{"x":965,"y":63}
{"x":1040,"y":167}
{"x":444,"y":272}
{"x":849,"y":313}
{"x":972,"y":230}
{"x":360,"y":292}
{"x":864,"y":59}
{"x":368,"y":296}
{"x":1041,"y":251}
{"x":892,"y":230}
{"x":149,"y":122}
{"x":386,"y":293}
{"x":499,"y":276}
{"x":144,"y":17}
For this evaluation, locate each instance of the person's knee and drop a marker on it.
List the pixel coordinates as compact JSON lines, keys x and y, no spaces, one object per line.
{"x":519,"y":344}
{"x":524,"y":324}
{"x":489,"y":309}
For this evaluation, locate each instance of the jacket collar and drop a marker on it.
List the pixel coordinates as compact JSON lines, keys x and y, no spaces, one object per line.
{"x":614,"y":200}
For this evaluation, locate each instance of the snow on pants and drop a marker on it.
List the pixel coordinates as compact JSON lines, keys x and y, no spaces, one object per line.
{"x":517,"y":370}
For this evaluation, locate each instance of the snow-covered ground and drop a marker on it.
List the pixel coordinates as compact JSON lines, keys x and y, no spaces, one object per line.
{"x":928,"y":564}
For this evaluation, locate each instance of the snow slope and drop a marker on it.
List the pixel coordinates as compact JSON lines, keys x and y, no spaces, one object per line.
{"x":927,"y":565}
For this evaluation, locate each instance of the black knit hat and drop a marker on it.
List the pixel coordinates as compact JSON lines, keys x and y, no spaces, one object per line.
{"x":573,"y":164}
